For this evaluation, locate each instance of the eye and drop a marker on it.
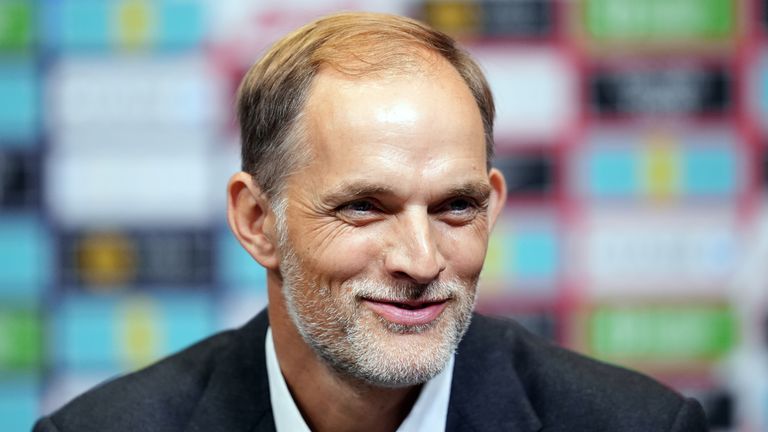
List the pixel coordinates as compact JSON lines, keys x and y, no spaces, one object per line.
{"x":459,"y":205}
{"x":458,"y":211}
{"x":359,"y":211}
{"x":359,"y":206}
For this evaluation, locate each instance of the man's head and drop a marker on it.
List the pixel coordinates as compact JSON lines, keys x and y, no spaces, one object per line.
{"x":272,"y":95}
{"x":375,"y":228}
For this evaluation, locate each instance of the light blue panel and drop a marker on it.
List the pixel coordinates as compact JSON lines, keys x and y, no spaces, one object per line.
{"x":536,"y":254}
{"x":181,"y":24}
{"x":19,"y":401}
{"x":509,"y":249}
{"x":186,"y":320}
{"x":235,"y":267}
{"x":81,"y":24}
{"x":765,"y":408}
{"x":19,"y":102}
{"x":763,"y":88}
{"x":25,"y":254}
{"x":612,"y":173}
{"x":85,"y":333}
{"x":710,"y":171}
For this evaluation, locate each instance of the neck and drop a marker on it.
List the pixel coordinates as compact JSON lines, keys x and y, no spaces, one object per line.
{"x":329,"y":401}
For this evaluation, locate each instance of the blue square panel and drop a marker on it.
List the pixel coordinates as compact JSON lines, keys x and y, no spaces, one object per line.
{"x":182,"y":24}
{"x":81,"y":24}
{"x":85,"y":329}
{"x":19,"y":402}
{"x":25,"y":255}
{"x":765,"y":406}
{"x":612,"y":173}
{"x":20,"y":107}
{"x":236,"y":268}
{"x":762,"y":84}
{"x":185,"y":319}
{"x":710,"y":171}
{"x":536,"y":254}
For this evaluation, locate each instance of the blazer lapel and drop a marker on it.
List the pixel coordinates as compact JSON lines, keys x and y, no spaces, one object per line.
{"x":236,"y":398}
{"x":486,"y":393}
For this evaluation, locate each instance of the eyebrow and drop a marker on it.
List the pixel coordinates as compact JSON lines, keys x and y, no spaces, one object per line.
{"x":349,"y":190}
{"x":476,"y":189}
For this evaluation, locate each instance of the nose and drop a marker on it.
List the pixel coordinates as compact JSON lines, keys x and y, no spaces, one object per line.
{"x":414,"y":253}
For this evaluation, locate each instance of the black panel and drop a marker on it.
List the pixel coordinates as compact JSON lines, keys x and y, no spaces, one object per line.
{"x":492,"y":18}
{"x":160,"y":258}
{"x":527,"y":174}
{"x":765,"y":15}
{"x":19,"y":181}
{"x":662,"y":91}
{"x":520,"y":18}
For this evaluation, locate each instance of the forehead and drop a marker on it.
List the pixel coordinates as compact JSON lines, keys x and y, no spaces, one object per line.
{"x":425,"y":120}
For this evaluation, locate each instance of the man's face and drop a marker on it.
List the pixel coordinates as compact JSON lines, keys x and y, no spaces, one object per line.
{"x":386,"y":229}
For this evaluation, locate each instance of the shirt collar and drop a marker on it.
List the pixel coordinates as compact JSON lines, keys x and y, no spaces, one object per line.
{"x":428,"y":413}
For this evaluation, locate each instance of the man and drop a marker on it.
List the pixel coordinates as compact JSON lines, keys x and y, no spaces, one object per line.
{"x":368,"y":196}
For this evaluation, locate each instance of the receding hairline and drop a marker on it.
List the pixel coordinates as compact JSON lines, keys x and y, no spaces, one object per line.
{"x":410,"y":59}
{"x":426,"y":64}
{"x":399,"y":56}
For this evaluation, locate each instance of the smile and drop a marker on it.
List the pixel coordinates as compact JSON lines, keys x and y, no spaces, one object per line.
{"x":408,"y":313}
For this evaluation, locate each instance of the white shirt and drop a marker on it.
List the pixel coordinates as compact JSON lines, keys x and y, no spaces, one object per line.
{"x":428,"y":413}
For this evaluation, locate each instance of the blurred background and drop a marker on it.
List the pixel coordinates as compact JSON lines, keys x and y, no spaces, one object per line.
{"x":632,"y":134}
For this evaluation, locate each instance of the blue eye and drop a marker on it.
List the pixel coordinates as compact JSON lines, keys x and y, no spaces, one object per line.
{"x":459,"y":205}
{"x":459,"y":211}
{"x":360,"y":206}
{"x":360,"y":212}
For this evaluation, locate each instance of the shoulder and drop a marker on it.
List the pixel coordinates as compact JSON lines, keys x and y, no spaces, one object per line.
{"x":560,"y":384}
{"x":544,"y":365}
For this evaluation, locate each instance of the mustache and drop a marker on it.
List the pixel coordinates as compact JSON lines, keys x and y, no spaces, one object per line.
{"x":404,"y":291}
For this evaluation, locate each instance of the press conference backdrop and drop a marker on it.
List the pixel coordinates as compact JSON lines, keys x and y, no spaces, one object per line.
{"x":632,"y":134}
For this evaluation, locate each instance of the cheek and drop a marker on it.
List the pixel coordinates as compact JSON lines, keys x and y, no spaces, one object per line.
{"x":342,"y":256}
{"x":464,"y":250}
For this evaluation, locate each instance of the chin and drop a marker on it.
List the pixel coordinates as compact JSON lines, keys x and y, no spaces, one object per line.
{"x":392,"y":355}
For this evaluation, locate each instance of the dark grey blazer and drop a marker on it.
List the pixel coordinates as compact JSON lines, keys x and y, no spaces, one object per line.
{"x":505,"y":379}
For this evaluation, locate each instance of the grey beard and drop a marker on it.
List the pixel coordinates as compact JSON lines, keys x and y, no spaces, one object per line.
{"x":335,"y":327}
{"x":352,"y":349}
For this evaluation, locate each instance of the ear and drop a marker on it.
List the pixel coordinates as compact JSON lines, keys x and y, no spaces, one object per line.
{"x":251,"y":219}
{"x":498,"y":195}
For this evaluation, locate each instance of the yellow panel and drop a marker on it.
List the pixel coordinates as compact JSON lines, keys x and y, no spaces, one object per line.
{"x":140,"y":335}
{"x":135,"y":23}
{"x":106,"y":259}
{"x":493,"y":268}
{"x":661,"y":170}
{"x":453,"y":16}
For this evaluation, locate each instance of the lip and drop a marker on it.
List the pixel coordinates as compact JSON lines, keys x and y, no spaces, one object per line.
{"x":418,"y":313}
